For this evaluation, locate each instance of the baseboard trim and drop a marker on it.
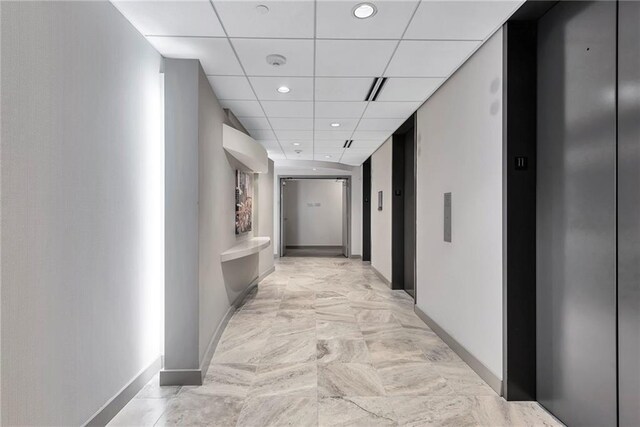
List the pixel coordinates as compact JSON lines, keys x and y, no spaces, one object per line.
{"x":215,"y":339}
{"x":356,"y":257}
{"x":196,"y":376}
{"x":489,"y":377}
{"x":117,"y":402}
{"x":181,"y":377}
{"x":381,"y":276}
{"x":313,"y":247}
{"x":266,"y":273}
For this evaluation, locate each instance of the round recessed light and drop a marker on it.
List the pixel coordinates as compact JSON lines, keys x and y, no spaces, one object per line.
{"x":284,"y":89}
{"x":262,"y":9}
{"x":315,"y":169}
{"x":364,"y":10}
{"x":327,"y":156}
{"x":335,"y":125}
{"x":296,"y":143}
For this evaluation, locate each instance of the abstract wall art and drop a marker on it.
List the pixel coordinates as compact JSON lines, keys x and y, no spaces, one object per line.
{"x":244,"y":201}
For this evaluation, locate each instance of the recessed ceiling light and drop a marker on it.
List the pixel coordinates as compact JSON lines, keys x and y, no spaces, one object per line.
{"x":364,"y":10}
{"x":262,"y":9}
{"x":284,"y":89}
{"x":327,"y":156}
{"x":335,"y":125}
{"x":296,"y":143}
{"x":315,"y":169}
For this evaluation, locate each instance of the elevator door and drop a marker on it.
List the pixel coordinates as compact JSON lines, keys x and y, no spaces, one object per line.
{"x":403,"y":252}
{"x":576,"y":213}
{"x":629,"y":212}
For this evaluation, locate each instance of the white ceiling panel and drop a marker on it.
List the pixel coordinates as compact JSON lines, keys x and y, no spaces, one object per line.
{"x":380,"y":124}
{"x":335,"y":20}
{"x":255,"y":122}
{"x":253,"y":55}
{"x":288,"y":108}
{"x":409,"y":89}
{"x":459,"y":20}
{"x":231,"y":87}
{"x":429,"y":58}
{"x":390,"y":110}
{"x":276,"y":155}
{"x":303,"y":155}
{"x":269,"y":144}
{"x":297,"y":145}
{"x":172,"y":18}
{"x":365,"y":143}
{"x":301,"y":88}
{"x":291,"y":123}
{"x":333,"y":110}
{"x":345,"y":124}
{"x":283,"y":19}
{"x":331,"y":157}
{"x":243,"y":108}
{"x":329,"y":144}
{"x":332,"y":134}
{"x":342,"y":89}
{"x":295,"y":135}
{"x":261,"y":133}
{"x":216,"y":55}
{"x":359,"y":58}
{"x":370,"y":135}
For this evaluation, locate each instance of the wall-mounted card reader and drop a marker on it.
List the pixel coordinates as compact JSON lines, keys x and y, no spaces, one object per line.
{"x":447,"y":217}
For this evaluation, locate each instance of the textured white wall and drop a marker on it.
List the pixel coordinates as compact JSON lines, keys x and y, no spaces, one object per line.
{"x":459,"y":284}
{"x":82,"y":174}
{"x":381,"y":220}
{"x":314,"y":225}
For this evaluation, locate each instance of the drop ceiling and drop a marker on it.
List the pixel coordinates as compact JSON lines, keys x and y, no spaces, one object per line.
{"x":332,"y":60}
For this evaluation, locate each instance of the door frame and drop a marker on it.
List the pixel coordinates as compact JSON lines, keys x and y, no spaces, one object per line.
{"x":281,"y":182}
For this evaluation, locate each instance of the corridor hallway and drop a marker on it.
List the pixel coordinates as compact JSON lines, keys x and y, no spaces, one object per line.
{"x":325,"y":342}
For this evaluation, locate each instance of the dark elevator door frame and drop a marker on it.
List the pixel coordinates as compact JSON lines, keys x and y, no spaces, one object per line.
{"x":403,"y":214}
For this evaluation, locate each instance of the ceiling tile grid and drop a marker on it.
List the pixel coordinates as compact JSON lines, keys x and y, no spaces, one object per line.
{"x":316,"y":96}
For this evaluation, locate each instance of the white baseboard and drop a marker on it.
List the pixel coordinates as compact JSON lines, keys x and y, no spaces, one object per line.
{"x":117,"y":402}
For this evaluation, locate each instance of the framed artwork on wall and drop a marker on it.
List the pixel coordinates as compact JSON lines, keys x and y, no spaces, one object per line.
{"x":244,"y":202}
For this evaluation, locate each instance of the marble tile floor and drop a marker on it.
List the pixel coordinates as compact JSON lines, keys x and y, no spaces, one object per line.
{"x":324,"y":342}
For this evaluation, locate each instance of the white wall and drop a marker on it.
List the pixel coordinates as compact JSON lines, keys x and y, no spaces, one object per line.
{"x":82,"y":203}
{"x":313,"y":209}
{"x":381,"y":220}
{"x":201,"y":200}
{"x":356,"y":200}
{"x":459,"y":284}
{"x":265,"y":190}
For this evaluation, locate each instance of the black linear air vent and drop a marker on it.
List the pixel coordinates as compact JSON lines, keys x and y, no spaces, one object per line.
{"x":376,"y":88}
{"x":347,"y":143}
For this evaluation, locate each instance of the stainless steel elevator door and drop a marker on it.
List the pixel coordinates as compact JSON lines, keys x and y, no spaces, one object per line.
{"x":576,"y":213}
{"x":629,"y":212}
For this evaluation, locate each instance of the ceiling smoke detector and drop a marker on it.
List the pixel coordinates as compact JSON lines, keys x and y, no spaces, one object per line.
{"x":276,"y":60}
